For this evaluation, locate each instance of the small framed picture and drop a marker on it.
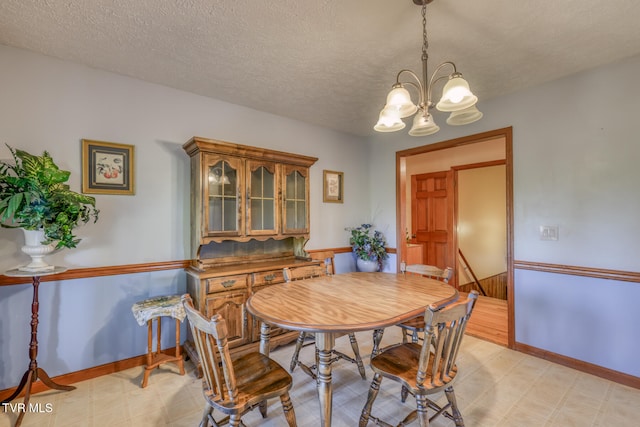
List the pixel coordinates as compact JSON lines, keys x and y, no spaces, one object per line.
{"x":333,"y":187}
{"x":107,"y":168}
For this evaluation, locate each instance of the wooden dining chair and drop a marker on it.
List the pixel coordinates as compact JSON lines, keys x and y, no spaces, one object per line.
{"x":328,"y":258}
{"x":414,"y":327}
{"x":307,"y":338}
{"x":234,"y":387}
{"x":427,"y":368}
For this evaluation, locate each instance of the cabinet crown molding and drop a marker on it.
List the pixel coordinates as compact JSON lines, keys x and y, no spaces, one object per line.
{"x":206,"y":145}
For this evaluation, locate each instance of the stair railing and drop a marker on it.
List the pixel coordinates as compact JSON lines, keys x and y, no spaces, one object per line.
{"x":467,"y":267}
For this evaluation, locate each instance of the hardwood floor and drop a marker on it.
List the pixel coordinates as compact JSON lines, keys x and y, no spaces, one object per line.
{"x":489,"y":320}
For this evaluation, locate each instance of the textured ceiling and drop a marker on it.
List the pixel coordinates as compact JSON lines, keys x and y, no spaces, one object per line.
{"x":326,"y":62}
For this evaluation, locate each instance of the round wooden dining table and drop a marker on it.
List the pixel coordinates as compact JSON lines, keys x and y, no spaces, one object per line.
{"x":333,"y":305}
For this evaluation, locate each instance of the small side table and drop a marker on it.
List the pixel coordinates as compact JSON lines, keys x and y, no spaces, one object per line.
{"x":156,"y":308}
{"x":34,"y":373}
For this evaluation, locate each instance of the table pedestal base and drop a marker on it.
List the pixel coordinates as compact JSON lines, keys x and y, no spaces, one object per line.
{"x":325,"y":341}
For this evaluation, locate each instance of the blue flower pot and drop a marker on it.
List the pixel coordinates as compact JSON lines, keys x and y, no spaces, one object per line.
{"x":366,"y":266}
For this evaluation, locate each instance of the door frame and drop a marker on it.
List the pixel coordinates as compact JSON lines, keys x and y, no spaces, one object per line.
{"x":401,"y":202}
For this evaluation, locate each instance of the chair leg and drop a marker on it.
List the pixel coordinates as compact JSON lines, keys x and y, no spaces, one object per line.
{"x":356,"y":352}
{"x":377,"y":338}
{"x":423,"y":418}
{"x":296,"y":352}
{"x":403,"y":394}
{"x":451,"y":397}
{"x":287,"y":407}
{"x":208,"y":410}
{"x":235,"y":420}
{"x":263,"y":408}
{"x":373,"y":393}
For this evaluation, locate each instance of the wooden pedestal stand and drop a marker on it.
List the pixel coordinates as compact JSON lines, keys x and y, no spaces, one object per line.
{"x":34,"y":373}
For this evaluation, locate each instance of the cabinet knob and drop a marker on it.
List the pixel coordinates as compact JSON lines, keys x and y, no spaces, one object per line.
{"x":269,"y":277}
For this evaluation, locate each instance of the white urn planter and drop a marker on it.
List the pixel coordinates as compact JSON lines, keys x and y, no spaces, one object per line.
{"x":37,"y":251}
{"x":366,"y":266}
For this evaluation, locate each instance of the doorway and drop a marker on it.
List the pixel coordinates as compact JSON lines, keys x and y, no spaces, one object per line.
{"x":493,"y":146}
{"x":481,"y":228}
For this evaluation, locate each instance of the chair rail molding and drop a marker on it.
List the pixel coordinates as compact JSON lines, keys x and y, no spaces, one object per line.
{"x":598,"y":273}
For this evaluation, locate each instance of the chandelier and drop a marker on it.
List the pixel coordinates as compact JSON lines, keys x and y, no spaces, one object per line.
{"x":456,"y":96}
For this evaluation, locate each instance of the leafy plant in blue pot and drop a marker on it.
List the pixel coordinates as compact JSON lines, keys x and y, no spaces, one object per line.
{"x":368,"y":245}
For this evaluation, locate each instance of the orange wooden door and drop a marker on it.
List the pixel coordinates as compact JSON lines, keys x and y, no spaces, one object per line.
{"x":432,"y":200}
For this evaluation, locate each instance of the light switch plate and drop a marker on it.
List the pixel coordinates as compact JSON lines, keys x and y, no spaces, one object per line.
{"x":548,"y":232}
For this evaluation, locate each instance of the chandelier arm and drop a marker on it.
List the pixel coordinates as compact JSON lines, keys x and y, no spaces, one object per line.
{"x":433,"y":80}
{"x":417,"y":84}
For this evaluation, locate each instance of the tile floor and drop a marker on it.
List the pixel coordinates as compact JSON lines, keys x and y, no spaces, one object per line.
{"x":496,"y":387}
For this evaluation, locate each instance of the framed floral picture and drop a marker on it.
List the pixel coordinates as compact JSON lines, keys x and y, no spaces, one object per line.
{"x":333,"y":187}
{"x":107,"y":168}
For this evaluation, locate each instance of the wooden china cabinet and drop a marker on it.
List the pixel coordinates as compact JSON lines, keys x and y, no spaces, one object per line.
{"x":249,"y":220}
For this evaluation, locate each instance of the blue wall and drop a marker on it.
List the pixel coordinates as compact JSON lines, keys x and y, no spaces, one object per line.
{"x":568,"y":315}
{"x":83,"y":322}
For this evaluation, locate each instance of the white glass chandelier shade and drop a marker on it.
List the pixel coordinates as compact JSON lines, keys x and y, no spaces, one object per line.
{"x":423,"y":124}
{"x":456,"y":95}
{"x":389,"y":120}
{"x":464,"y":117}
{"x":400,"y":100}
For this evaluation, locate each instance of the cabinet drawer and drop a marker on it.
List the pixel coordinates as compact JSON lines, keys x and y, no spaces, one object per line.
{"x":268,"y":277}
{"x":226,"y":283}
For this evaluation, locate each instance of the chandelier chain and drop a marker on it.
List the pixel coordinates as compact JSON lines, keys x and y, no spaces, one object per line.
{"x":425,"y":41}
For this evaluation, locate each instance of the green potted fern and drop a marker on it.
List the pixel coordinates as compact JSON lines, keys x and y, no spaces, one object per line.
{"x":34,"y":196}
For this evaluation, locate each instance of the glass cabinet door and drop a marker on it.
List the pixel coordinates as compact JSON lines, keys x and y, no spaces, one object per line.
{"x":223,"y":197}
{"x":262,"y":198}
{"x":296,"y":195}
